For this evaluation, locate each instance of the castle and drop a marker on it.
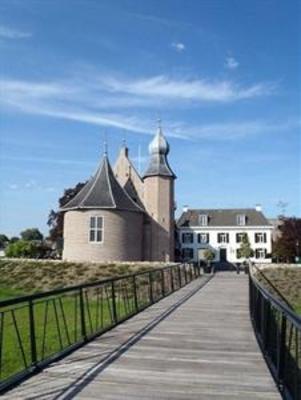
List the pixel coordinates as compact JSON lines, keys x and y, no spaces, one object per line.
{"x":119,"y":215}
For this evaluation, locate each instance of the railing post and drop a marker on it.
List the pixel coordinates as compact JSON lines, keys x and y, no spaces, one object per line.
{"x":171,"y":280}
{"x":33,"y":347}
{"x":115,"y":318}
{"x":185,"y":274}
{"x":135,"y":293}
{"x":281,"y":351}
{"x":179,"y":276}
{"x":151,"y":294}
{"x":163,"y":283}
{"x":82,"y":314}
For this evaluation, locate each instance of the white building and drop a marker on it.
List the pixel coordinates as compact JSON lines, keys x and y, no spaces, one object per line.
{"x":222,"y":231}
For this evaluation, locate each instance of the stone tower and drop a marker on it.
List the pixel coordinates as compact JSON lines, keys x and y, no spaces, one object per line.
{"x":159,"y":201}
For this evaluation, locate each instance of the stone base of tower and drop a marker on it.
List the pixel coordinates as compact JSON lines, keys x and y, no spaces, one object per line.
{"x":158,"y":243}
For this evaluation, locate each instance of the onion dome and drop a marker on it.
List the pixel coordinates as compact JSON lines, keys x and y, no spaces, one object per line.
{"x":158,"y":150}
{"x":102,"y":191}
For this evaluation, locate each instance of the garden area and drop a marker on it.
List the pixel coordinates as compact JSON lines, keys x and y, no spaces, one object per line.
{"x":287,"y":280}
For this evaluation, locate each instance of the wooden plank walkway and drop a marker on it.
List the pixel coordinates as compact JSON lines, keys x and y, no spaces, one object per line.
{"x":195,"y":344}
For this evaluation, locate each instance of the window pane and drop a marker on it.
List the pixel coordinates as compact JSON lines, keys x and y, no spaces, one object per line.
{"x":92,"y":236}
{"x":99,"y":222}
{"x":92,"y":222}
{"x":99,"y":236}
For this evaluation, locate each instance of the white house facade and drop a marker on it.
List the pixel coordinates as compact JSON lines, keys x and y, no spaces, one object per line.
{"x":222,"y":231}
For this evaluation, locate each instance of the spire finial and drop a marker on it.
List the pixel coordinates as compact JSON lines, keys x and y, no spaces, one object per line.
{"x":159,"y":122}
{"x":105,"y":145}
{"x":124,"y":139}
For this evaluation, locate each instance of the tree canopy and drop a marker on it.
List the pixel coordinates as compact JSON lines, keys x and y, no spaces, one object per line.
{"x":31,"y":234}
{"x":56,"y":218}
{"x":3,"y":240}
{"x":288,"y":244}
{"x":245,"y":249}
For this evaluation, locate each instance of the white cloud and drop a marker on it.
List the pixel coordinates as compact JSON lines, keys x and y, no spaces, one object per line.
{"x":13,"y":186}
{"x":200,"y":90}
{"x":10,"y":33}
{"x":231,"y":63}
{"x":178,"y":46}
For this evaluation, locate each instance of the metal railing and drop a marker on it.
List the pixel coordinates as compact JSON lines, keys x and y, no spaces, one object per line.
{"x":278,"y":330}
{"x":38,"y":329}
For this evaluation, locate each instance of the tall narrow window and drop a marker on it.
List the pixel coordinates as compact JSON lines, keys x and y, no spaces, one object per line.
{"x":260,"y":237}
{"x":241,"y":219}
{"x":96,"y":229}
{"x":203,"y":220}
{"x":223,"y":237}
{"x":260,"y":253}
{"x":203,"y":238}
{"x":187,"y":237}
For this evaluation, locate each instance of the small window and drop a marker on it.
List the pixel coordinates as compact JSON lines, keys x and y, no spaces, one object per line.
{"x":241,"y":220}
{"x":187,"y":237}
{"x":203,"y":238}
{"x":240,"y":237}
{"x":260,"y":253}
{"x":203,"y":220}
{"x":187,"y":253}
{"x":223,"y":237}
{"x":96,"y":229}
{"x":260,"y":237}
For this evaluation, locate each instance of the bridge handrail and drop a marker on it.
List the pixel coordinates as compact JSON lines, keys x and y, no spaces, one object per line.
{"x":40,"y":328}
{"x":278,"y":331}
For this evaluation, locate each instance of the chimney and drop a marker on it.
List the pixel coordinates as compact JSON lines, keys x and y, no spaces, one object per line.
{"x":258,"y":207}
{"x":185,"y":208}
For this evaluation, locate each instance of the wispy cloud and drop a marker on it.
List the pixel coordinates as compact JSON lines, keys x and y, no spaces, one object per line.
{"x":10,"y":33}
{"x":113,"y":102}
{"x":178,"y":46}
{"x":231,"y":63}
{"x":200,"y":90}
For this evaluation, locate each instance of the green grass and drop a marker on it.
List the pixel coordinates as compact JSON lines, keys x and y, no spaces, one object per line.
{"x":288,"y":281}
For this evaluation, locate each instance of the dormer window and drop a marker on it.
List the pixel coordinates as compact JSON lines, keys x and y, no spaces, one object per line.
{"x":241,"y":220}
{"x":203,"y":219}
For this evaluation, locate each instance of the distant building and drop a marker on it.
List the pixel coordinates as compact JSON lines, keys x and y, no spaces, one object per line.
{"x":119,"y":215}
{"x":221,"y":230}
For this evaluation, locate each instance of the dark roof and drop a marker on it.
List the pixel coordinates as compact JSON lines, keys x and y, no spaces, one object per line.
{"x":223,"y":217}
{"x":102,"y":191}
{"x":158,"y":166}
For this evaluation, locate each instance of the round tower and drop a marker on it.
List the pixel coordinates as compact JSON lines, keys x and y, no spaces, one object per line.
{"x":159,"y":201}
{"x":102,"y":223}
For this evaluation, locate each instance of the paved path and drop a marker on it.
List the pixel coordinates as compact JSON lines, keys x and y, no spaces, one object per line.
{"x":195,"y":344}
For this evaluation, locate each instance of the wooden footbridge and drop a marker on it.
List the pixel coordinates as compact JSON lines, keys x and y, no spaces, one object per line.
{"x":196,"y":343}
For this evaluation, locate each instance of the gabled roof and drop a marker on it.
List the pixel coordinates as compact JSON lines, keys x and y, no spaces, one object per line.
{"x":102,"y":191}
{"x":222,"y":217}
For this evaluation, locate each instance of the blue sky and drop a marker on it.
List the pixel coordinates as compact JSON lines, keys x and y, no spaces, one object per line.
{"x":223,"y":75}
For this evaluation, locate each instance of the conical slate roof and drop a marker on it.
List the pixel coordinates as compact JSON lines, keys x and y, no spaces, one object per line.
{"x":102,"y":191}
{"x":158,"y":164}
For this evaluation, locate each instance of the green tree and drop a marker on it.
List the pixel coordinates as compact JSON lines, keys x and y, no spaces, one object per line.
{"x":31,"y":234}
{"x":26,"y":249}
{"x":56,"y":218}
{"x":209,"y":255}
{"x":3,"y":240}
{"x":245,"y":249}
{"x":14,"y":239}
{"x":288,"y":244}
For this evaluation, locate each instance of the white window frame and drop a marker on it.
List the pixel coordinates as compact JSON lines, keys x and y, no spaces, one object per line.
{"x":203,"y":220}
{"x":240,"y":235}
{"x":202,"y":238}
{"x":223,"y":237}
{"x":262,"y":253}
{"x":241,"y":219}
{"x":96,"y":228}
{"x":186,"y":235}
{"x":259,"y":237}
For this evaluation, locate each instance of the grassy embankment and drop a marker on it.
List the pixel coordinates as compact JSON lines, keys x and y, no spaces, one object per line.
{"x":57,"y":321}
{"x":288,"y":281}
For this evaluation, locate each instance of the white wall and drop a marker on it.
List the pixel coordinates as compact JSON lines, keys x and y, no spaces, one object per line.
{"x":232,"y":246}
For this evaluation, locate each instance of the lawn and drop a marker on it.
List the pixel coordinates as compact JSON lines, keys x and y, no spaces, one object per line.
{"x":287,"y":280}
{"x":57,"y":319}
